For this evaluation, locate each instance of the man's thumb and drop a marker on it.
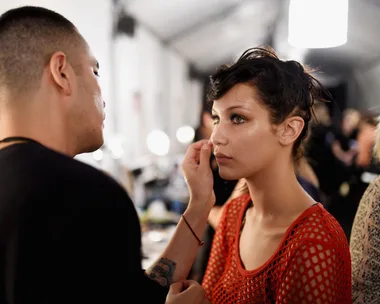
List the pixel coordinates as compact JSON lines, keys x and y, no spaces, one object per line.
{"x":204,"y":160}
{"x":176,"y":288}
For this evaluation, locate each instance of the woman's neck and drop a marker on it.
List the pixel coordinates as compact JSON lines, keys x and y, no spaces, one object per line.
{"x":276,"y":193}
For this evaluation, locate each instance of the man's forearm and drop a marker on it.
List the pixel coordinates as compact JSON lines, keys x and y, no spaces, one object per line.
{"x":177,"y":259}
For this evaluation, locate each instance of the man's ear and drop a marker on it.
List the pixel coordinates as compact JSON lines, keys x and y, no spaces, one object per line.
{"x":290,"y":129}
{"x":61,"y":72}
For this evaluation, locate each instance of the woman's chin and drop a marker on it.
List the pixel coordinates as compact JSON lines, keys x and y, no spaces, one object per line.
{"x":225,"y":174}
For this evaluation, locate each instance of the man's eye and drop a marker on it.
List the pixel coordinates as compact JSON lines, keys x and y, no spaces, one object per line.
{"x":96,"y":73}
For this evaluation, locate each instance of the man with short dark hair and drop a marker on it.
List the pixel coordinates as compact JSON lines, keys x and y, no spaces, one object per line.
{"x":69,"y":233}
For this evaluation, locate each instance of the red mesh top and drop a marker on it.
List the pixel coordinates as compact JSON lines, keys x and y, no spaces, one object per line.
{"x":311,"y":265}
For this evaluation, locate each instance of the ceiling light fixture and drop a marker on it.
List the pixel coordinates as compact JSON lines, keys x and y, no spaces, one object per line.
{"x":318,"y":23}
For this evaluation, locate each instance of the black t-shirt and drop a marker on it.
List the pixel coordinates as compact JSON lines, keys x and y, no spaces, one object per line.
{"x":68,"y":233}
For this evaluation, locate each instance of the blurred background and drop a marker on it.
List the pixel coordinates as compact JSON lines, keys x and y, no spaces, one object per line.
{"x":155,"y":58}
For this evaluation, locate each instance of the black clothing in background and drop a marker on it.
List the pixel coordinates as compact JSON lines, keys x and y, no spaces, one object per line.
{"x":68,"y":233}
{"x":346,"y":141}
{"x":329,"y":170}
{"x":313,"y":191}
{"x":222,"y":188}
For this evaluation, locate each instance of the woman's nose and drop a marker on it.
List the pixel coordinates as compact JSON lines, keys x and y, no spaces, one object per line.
{"x":218,"y":137}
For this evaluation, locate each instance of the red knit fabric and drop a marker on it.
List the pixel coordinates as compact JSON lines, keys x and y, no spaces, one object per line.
{"x":311,"y":265}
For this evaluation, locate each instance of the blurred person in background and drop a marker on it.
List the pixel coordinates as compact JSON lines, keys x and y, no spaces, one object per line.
{"x":351,"y":190}
{"x":269,"y":240}
{"x":365,"y":141}
{"x":364,"y":166}
{"x":365,"y":240}
{"x":345,"y":149}
{"x":344,"y":145}
{"x":68,"y":232}
{"x":336,"y":167}
{"x":318,"y":151}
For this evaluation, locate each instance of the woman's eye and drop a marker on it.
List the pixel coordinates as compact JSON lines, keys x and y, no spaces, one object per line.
{"x":237,"y":119}
{"x":96,"y":73}
{"x":215,"y":120}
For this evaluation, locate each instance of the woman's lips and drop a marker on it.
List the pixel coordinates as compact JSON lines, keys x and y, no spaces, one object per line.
{"x":222,"y":158}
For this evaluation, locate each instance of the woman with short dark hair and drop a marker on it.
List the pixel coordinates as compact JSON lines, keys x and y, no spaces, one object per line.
{"x":275,"y":244}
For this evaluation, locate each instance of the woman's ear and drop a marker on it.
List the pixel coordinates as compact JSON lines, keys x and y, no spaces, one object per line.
{"x":290,"y":130}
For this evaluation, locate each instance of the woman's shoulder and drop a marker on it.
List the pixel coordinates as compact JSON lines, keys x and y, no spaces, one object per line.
{"x":317,"y":225}
{"x":317,"y":237}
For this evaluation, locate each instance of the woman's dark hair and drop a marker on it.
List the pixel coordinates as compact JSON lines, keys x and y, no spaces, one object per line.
{"x":284,"y":87}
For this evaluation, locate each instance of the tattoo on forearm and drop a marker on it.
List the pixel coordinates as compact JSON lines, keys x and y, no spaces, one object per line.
{"x":162,"y":272}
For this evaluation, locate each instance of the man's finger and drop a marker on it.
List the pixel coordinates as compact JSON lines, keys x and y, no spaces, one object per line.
{"x":176,"y":288}
{"x":187,"y":283}
{"x":193,"y":151}
{"x":195,"y":287}
{"x":205,"y":153}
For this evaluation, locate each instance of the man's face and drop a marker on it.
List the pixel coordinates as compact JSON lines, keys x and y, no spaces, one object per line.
{"x":87,"y":113}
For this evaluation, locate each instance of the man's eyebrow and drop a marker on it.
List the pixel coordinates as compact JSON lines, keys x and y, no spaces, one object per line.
{"x":97,"y":64}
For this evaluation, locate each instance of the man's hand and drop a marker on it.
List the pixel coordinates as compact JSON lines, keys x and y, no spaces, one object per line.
{"x":198,"y":175}
{"x":186,"y":292}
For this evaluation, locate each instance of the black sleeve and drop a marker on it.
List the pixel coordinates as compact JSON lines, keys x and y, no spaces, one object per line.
{"x":92,"y":252}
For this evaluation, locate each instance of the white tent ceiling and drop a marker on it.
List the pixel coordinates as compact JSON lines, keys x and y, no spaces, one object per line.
{"x":212,"y":32}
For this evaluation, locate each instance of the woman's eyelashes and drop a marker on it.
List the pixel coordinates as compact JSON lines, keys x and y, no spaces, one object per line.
{"x":215,"y":119}
{"x":236,"y":119}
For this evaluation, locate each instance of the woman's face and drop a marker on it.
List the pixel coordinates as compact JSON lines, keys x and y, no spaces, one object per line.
{"x":244,"y":139}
